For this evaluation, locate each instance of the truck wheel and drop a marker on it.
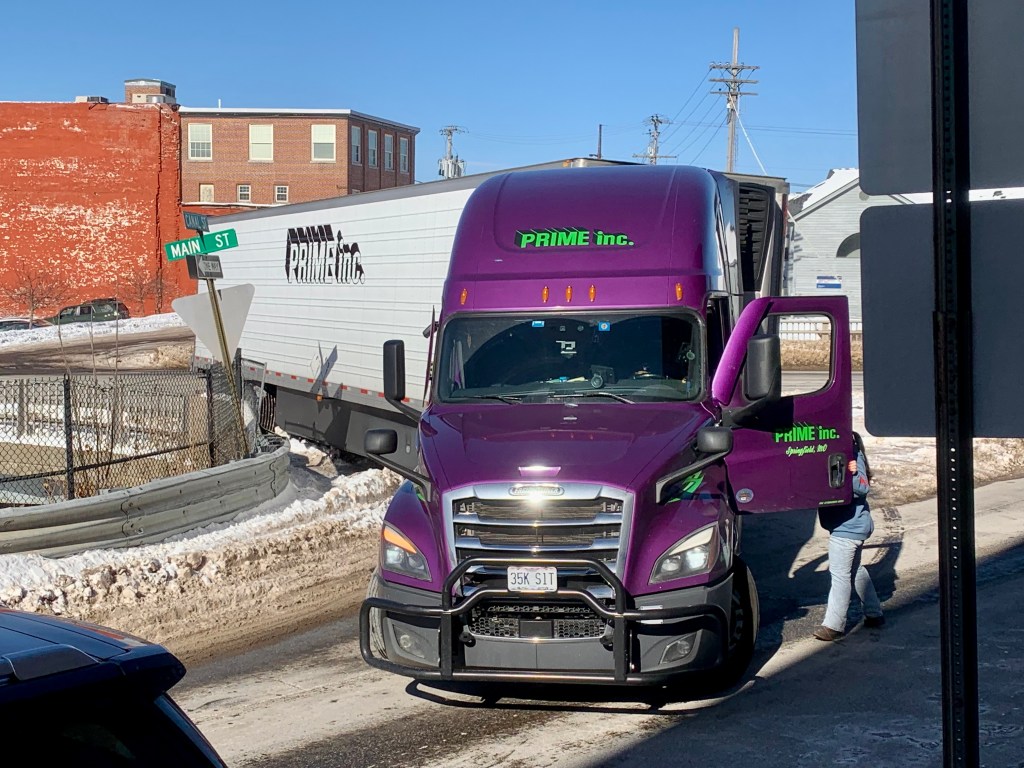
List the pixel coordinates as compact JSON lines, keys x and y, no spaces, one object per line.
{"x":743,"y":625}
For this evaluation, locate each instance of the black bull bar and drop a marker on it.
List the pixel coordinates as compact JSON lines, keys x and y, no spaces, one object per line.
{"x":622,"y":619}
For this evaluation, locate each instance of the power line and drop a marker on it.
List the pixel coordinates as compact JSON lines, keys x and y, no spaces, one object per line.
{"x":699,"y":135}
{"x":711,"y":138}
{"x":700,"y":121}
{"x":751,"y":145}
{"x":838,"y":132}
{"x":700,"y":83}
{"x":555,"y":138}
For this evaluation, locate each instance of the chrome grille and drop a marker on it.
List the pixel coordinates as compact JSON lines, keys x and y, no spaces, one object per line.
{"x":487,"y":510}
{"x":542,"y":527}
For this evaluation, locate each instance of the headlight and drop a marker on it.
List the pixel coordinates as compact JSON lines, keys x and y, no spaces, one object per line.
{"x":694,"y":554}
{"x":400,"y":555}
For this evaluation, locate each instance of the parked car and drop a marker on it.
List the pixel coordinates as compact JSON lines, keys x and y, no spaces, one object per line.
{"x":94,"y":311}
{"x":84,"y":695}
{"x":22,"y":323}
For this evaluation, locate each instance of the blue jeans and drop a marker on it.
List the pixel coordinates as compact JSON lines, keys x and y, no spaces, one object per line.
{"x":845,"y":567}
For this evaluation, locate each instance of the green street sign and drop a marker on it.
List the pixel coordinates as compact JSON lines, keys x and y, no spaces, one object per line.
{"x":193,"y":246}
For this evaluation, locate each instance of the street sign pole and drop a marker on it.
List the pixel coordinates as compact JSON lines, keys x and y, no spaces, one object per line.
{"x":954,"y":392}
{"x":236,"y":399}
{"x":200,"y":224}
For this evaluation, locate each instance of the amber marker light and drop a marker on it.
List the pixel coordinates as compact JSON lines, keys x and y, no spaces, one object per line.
{"x":544,"y":294}
{"x":463,"y":296}
{"x":679,"y":291}
{"x":592,"y":292}
{"x":568,"y":294}
{"x":394,"y":537}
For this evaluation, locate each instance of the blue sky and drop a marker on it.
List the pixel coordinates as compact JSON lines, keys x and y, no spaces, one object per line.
{"x":528,"y":81}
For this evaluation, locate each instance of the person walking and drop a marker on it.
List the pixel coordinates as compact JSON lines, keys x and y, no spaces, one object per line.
{"x":849,"y":526}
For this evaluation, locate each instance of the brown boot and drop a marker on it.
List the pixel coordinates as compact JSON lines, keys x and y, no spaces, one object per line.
{"x":827,"y":633}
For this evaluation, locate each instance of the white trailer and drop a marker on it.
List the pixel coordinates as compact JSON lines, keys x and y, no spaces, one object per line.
{"x":334,"y":280}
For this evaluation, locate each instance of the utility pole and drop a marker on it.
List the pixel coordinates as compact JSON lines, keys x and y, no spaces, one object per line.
{"x":732,"y":92}
{"x":651,"y":155}
{"x":450,"y":166}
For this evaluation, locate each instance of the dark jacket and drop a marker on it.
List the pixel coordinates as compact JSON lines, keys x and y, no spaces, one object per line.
{"x":851,"y":521}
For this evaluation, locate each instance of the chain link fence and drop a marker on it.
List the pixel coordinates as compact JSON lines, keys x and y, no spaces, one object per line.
{"x":74,"y":436}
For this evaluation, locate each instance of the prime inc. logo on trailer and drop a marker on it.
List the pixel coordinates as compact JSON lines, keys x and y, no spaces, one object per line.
{"x":319,"y":255}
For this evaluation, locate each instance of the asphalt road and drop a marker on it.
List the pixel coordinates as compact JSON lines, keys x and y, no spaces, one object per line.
{"x":874,"y":698}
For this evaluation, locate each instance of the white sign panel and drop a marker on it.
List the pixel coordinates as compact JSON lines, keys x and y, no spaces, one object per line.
{"x":197,"y":312}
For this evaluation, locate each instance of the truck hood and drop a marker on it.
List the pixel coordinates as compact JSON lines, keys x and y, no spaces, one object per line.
{"x":612,"y":444}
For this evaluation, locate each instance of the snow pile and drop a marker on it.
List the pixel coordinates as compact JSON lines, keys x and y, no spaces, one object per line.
{"x":315,"y":507}
{"x":78,"y":331}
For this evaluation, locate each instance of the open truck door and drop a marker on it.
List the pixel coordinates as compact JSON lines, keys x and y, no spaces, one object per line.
{"x":790,"y":451}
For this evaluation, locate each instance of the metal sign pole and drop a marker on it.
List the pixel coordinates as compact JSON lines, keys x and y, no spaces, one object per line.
{"x":200,"y":224}
{"x":236,"y":399}
{"x":954,"y":392}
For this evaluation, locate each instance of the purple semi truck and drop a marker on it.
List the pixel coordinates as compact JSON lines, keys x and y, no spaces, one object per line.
{"x":605,"y":405}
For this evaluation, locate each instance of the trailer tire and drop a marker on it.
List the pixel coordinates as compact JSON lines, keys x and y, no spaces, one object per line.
{"x":744,"y":620}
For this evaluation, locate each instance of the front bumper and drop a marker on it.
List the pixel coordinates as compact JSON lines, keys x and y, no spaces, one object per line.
{"x":438,"y":645}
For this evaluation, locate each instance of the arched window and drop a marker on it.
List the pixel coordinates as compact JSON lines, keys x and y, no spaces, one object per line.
{"x":849,"y":248}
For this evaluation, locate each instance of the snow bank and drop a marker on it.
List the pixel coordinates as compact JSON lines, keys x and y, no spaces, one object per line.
{"x":77,"y":331}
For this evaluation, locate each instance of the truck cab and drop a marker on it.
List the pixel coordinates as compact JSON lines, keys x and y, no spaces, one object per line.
{"x":605,"y":405}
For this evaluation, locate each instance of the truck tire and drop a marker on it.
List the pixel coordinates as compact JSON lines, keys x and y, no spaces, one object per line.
{"x":376,"y":621}
{"x":744,"y":621}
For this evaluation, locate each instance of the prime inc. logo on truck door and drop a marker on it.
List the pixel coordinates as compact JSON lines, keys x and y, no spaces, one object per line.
{"x":316,"y":255}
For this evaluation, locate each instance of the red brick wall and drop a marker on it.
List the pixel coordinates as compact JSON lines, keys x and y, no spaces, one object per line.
{"x":292,"y":165}
{"x":90,"y":193}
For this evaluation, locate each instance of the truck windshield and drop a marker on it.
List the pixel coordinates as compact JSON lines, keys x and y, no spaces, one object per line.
{"x":613,"y":356}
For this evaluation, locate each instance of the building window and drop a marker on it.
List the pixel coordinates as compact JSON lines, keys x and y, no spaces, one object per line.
{"x":357,"y":144}
{"x":200,"y":141}
{"x":403,"y":155}
{"x":245,"y":193}
{"x":371,"y":148}
{"x":206,"y":193}
{"x":281,"y":194}
{"x":323,"y":143}
{"x":389,"y":152}
{"x":850,"y":247}
{"x":261,"y":143}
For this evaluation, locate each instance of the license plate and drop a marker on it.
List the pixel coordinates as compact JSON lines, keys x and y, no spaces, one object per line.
{"x":531,"y":578}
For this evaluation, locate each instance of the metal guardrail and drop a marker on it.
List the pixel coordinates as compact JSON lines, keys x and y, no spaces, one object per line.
{"x":147,"y":513}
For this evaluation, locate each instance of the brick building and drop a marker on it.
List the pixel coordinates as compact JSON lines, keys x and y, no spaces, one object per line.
{"x":276,"y":156}
{"x":90,"y":191}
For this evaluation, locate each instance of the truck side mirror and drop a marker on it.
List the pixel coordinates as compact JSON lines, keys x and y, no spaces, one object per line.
{"x":394,"y":370}
{"x":378,"y":442}
{"x":714,"y":440}
{"x":713,"y":444}
{"x":762,"y":377}
{"x":394,"y":378}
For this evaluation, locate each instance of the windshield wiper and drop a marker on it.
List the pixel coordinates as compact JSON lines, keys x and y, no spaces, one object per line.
{"x":595,"y":393}
{"x":512,"y":399}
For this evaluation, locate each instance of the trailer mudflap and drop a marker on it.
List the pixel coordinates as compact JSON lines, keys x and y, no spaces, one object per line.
{"x":623,"y":620}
